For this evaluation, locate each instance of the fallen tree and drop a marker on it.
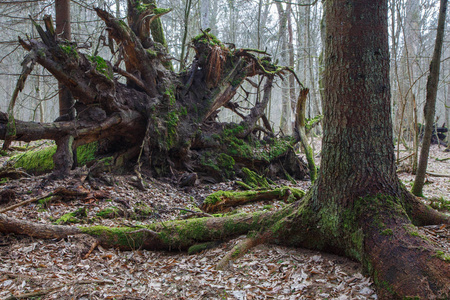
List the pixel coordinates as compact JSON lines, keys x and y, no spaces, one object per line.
{"x":168,"y":118}
{"x":357,"y":206}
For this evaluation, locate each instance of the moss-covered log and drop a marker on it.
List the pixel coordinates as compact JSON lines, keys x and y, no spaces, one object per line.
{"x":222,"y":200}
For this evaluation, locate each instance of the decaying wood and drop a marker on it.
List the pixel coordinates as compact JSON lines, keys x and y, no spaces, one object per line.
{"x":24,"y":203}
{"x":300,"y":122}
{"x":52,"y":289}
{"x":242,"y":248}
{"x":434,"y":174}
{"x":221,"y":201}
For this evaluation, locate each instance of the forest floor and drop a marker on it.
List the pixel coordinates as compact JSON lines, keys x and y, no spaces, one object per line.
{"x":59,"y":269}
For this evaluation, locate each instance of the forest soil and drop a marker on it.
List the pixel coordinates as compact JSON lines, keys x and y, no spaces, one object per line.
{"x":267,"y":271}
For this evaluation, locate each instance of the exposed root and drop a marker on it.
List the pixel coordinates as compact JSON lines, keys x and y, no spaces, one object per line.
{"x":242,"y":248}
{"x":216,"y":61}
{"x":420,"y":213}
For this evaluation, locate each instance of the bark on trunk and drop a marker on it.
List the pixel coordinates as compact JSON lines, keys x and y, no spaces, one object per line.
{"x":357,"y":204}
{"x":430,"y":104}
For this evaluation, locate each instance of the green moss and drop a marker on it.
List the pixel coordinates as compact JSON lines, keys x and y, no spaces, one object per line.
{"x":35,"y":161}
{"x":43,"y":203}
{"x":143,"y":210}
{"x":236,"y":253}
{"x":86,"y":153}
{"x":226,"y":164}
{"x":182,"y":233}
{"x":159,"y":10}
{"x":197,"y":248}
{"x":310,"y":122}
{"x":217,"y":197}
{"x":387,"y":232}
{"x":172,"y":123}
{"x":41,"y":160}
{"x":126,"y":237}
{"x":108,"y":213}
{"x":11,"y":126}
{"x":443,"y":256}
{"x":73,"y":217}
{"x":70,"y":50}
{"x":244,"y":185}
{"x":254,"y":180}
{"x":207,"y":38}
{"x":101,"y":66}
{"x":440,"y":204}
{"x":152,"y":53}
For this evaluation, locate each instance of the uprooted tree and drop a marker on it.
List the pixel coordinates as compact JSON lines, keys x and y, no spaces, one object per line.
{"x":357,"y":206}
{"x":168,"y":120}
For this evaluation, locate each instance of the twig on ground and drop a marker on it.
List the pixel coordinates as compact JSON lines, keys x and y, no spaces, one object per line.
{"x":49,"y":290}
{"x":24,"y":202}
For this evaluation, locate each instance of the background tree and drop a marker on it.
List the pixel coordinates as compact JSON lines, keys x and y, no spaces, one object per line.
{"x":63,"y":29}
{"x":430,"y":105}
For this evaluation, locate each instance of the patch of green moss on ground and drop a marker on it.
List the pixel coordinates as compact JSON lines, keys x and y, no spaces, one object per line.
{"x":73,"y":217}
{"x":41,"y":160}
{"x":197,"y":248}
{"x":387,"y":232}
{"x":443,"y":256}
{"x":36,"y":161}
{"x":440,"y":204}
{"x":108,"y":213}
{"x":44,"y":202}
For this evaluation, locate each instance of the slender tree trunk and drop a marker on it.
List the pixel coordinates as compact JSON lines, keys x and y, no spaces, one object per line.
{"x":187,"y":11}
{"x":204,"y":11}
{"x":285,"y":120}
{"x":290,"y":49}
{"x":63,"y":29}
{"x":430,"y":104}
{"x":117,"y":8}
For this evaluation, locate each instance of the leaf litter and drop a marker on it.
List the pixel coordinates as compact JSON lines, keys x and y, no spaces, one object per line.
{"x":58,"y":269}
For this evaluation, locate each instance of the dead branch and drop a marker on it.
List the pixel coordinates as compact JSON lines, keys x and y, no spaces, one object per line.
{"x":52,"y":289}
{"x":437,"y":174}
{"x":24,"y":203}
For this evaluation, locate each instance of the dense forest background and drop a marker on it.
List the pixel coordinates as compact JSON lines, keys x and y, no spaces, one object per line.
{"x":291,"y":31}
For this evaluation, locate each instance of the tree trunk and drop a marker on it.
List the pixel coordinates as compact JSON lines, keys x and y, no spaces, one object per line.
{"x":430,"y":104}
{"x":204,"y":10}
{"x":285,"y":120}
{"x":63,"y":29}
{"x":358,"y":202}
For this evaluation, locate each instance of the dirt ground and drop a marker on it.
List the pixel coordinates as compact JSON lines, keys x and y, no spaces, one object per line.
{"x":59,"y":269}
